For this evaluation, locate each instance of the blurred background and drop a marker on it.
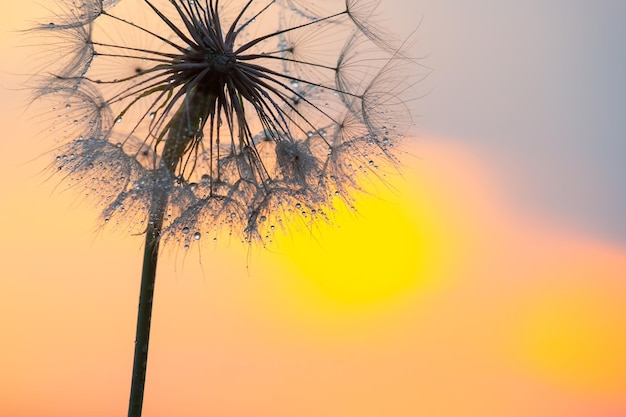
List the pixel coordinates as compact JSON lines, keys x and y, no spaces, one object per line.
{"x":537,"y":86}
{"x":487,"y":280}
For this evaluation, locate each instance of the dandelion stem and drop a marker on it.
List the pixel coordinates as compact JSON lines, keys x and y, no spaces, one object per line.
{"x":180,"y":132}
{"x":144,"y":316}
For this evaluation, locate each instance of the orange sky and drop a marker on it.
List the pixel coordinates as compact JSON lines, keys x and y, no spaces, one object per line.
{"x":438,"y":299}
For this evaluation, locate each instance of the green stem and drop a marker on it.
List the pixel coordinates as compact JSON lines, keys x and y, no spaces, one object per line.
{"x":180,"y":132}
{"x":144,"y":316}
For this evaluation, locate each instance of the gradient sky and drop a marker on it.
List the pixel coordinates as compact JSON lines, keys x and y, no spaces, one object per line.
{"x":489,"y":282}
{"x":538,"y":86}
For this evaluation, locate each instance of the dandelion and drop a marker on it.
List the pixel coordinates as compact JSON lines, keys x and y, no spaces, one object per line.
{"x":183,"y":119}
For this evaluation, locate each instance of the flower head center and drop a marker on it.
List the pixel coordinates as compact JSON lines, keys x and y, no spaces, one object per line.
{"x":221,"y":63}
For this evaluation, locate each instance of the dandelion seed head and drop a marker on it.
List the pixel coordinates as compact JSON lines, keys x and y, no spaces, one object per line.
{"x":221,"y":117}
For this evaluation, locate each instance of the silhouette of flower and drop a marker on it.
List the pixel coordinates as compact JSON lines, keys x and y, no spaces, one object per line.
{"x":185,"y":117}
{"x":221,"y":114}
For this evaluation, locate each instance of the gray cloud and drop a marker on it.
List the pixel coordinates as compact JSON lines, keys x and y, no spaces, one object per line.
{"x":539,"y":87}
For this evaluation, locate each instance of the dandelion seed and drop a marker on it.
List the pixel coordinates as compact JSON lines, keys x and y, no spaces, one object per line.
{"x":221,"y":111}
{"x":201,"y":115}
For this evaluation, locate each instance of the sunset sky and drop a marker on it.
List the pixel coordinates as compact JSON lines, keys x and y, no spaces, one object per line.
{"x":488,"y":280}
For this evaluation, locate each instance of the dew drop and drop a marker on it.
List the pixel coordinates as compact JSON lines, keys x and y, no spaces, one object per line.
{"x":371,"y":163}
{"x":193,"y":186}
{"x":298,"y":206}
{"x":196,"y":236}
{"x":263,"y":218}
{"x":152,"y":114}
{"x":186,"y":247}
{"x":68,"y":107}
{"x":185,"y":230}
{"x":118,"y":120}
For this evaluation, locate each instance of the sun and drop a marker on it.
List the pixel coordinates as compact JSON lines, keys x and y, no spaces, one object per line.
{"x":391,"y":245}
